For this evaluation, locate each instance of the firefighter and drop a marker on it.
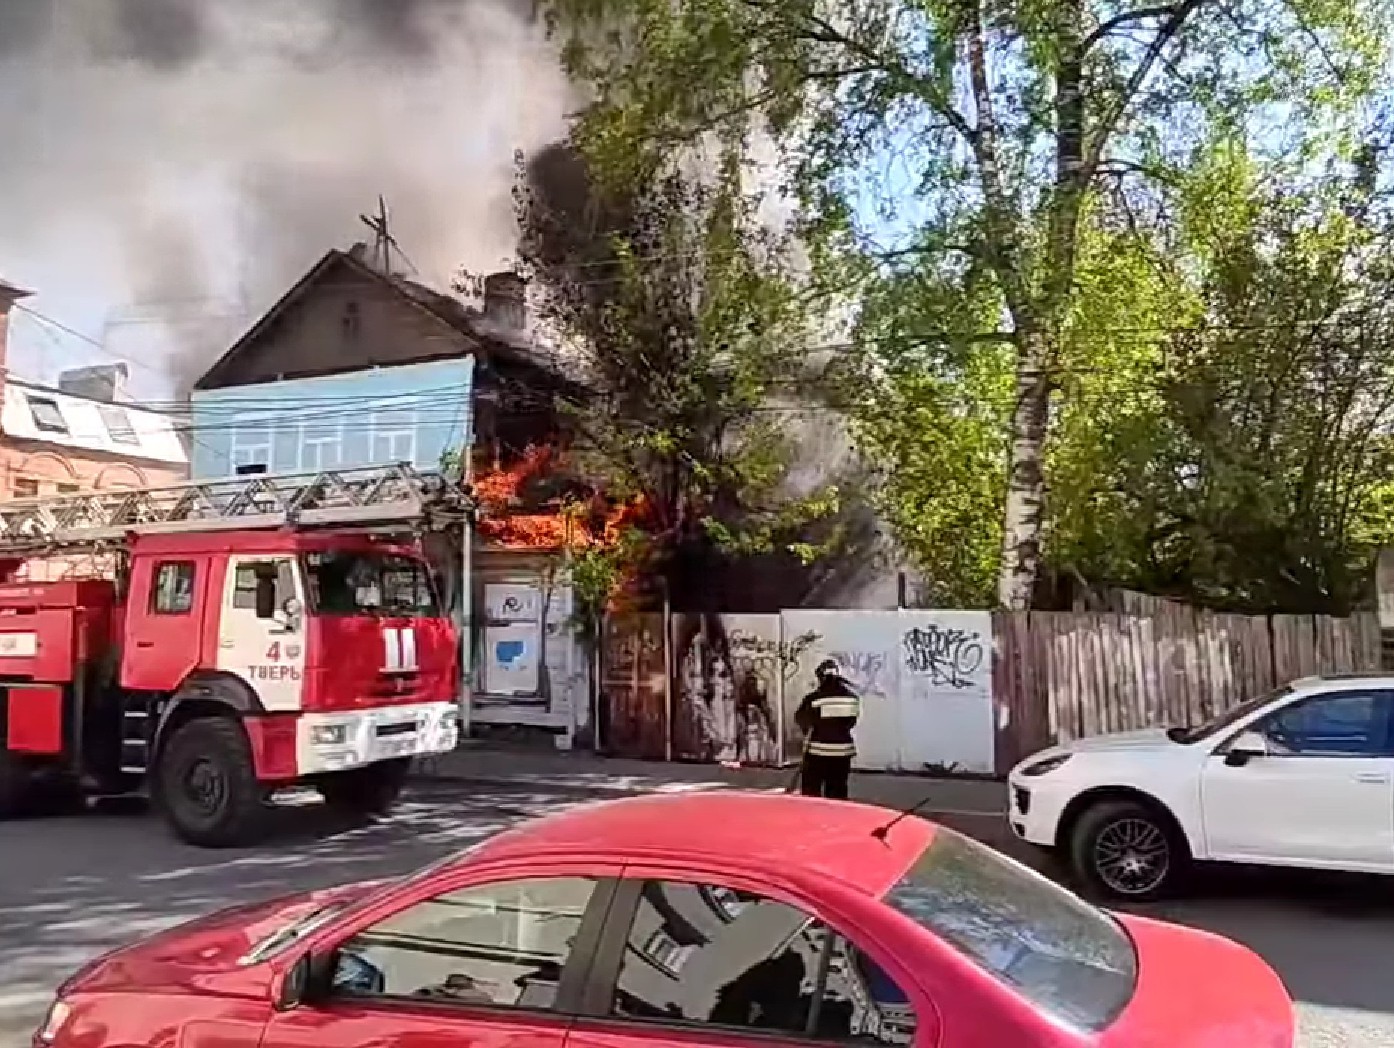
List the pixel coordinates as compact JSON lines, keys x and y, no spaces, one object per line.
{"x":827,"y":716}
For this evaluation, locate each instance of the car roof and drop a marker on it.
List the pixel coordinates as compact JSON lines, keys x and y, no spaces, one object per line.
{"x":1348,"y":679}
{"x":741,"y":829}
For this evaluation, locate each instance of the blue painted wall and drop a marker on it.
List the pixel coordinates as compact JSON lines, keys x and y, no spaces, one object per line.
{"x":409,"y":413}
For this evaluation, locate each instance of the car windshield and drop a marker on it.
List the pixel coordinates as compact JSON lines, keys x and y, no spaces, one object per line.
{"x":1215,"y":725}
{"x":1068,"y":958}
{"x":356,"y":583}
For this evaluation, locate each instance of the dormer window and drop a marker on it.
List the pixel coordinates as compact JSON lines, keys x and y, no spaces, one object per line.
{"x":118,"y":424}
{"x":47,"y":416}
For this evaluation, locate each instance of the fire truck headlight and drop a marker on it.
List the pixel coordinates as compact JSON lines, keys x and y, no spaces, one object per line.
{"x":57,"y":1018}
{"x":329,"y":734}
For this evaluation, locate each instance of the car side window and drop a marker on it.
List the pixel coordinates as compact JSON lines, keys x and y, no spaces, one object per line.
{"x":709,"y":955}
{"x":1337,"y":724}
{"x":501,"y":945}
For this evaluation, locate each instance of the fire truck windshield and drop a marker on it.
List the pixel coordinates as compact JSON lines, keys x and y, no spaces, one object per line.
{"x":352,"y":582}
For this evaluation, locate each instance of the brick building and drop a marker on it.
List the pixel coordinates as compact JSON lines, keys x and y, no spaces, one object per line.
{"x":81,"y":435}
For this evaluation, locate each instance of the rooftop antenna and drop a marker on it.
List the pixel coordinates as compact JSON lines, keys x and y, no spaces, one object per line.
{"x":382,"y":236}
{"x":384,"y":243}
{"x":881,"y":832}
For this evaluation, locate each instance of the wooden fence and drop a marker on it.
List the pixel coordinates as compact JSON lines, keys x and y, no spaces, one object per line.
{"x":1061,"y":675}
{"x":1055,"y":675}
{"x":635,"y":685}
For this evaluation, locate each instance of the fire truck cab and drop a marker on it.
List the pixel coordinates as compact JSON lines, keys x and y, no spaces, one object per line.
{"x":222,"y":665}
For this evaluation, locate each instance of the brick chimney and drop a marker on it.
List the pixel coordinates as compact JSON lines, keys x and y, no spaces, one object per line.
{"x":105,"y":382}
{"x":9,"y":295}
{"x":505,"y":301}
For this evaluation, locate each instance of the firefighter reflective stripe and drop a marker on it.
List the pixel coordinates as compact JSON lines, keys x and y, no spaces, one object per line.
{"x":832,"y":749}
{"x":838,"y":706}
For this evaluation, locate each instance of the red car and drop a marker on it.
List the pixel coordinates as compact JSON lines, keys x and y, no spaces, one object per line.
{"x":714,"y":920}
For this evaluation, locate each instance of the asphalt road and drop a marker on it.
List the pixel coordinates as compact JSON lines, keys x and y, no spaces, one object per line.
{"x":74,"y":886}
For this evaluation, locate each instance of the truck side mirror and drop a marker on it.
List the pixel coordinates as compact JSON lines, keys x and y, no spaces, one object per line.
{"x":292,"y":608}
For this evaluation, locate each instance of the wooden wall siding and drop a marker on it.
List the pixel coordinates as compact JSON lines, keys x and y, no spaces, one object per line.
{"x":632,"y":688}
{"x":1063,"y":675}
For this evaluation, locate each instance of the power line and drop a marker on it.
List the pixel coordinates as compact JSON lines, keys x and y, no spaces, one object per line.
{"x":82,"y":337}
{"x":59,"y":325}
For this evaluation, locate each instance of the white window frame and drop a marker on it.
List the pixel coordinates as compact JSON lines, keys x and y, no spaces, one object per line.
{"x":245,"y":452}
{"x":400,"y":437}
{"x":34,"y":402}
{"x":332,"y":437}
{"x":116,"y":420}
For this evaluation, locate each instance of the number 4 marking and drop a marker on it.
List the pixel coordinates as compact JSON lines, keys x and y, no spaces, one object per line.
{"x":273,"y":653}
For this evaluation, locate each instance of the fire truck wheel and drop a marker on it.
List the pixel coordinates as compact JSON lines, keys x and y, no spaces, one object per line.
{"x":366,"y":791}
{"x":206,"y":784}
{"x":16,"y":785}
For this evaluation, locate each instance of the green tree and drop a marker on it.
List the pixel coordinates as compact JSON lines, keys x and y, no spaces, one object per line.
{"x":932,"y":414}
{"x":682,"y":312}
{"x":1005,"y":118}
{"x":1257,"y":475}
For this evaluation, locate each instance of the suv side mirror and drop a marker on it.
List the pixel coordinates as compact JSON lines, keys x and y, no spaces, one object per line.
{"x":1246,"y":747}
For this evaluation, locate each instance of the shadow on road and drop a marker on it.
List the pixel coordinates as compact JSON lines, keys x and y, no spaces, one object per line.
{"x":75,"y":886}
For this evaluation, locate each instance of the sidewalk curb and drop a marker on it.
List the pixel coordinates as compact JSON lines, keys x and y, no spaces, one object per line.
{"x":629,"y":785}
{"x":612,"y":782}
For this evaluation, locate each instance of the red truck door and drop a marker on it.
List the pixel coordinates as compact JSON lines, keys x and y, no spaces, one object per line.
{"x":165,"y":620}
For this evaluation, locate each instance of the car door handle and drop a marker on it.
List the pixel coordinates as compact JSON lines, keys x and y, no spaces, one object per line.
{"x":145,"y":644}
{"x":1375,"y":777}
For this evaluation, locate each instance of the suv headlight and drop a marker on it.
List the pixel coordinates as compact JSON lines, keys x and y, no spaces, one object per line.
{"x":57,"y":1018}
{"x":1047,"y":764}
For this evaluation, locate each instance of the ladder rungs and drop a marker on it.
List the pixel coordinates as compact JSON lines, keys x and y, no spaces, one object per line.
{"x":383,"y":496}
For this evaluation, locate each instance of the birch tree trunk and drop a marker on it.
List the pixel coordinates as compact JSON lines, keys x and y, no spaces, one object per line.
{"x":1040,"y":326}
{"x":1023,"y":516}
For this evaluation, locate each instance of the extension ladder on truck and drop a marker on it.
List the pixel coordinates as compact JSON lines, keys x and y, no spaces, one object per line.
{"x":212,"y":666}
{"x":396,"y":496}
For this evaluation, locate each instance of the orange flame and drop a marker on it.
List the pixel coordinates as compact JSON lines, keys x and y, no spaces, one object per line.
{"x":499,"y":524}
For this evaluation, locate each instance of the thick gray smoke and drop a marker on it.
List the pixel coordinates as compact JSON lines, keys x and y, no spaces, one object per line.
{"x":171,"y":155}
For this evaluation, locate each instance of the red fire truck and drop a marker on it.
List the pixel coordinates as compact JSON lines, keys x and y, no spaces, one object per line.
{"x":248,"y":635}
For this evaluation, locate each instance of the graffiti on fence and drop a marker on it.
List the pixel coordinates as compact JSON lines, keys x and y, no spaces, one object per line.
{"x":772,"y":659}
{"x":869,"y":672}
{"x":729,"y":679}
{"x":949,"y":657}
{"x":634,"y":722}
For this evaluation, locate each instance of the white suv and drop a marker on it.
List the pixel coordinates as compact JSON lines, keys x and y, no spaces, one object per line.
{"x":1300,"y":777}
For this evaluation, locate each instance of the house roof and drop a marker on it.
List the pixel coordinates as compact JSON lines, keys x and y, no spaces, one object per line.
{"x":11,"y":292}
{"x":29,"y":411}
{"x":449,"y":311}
